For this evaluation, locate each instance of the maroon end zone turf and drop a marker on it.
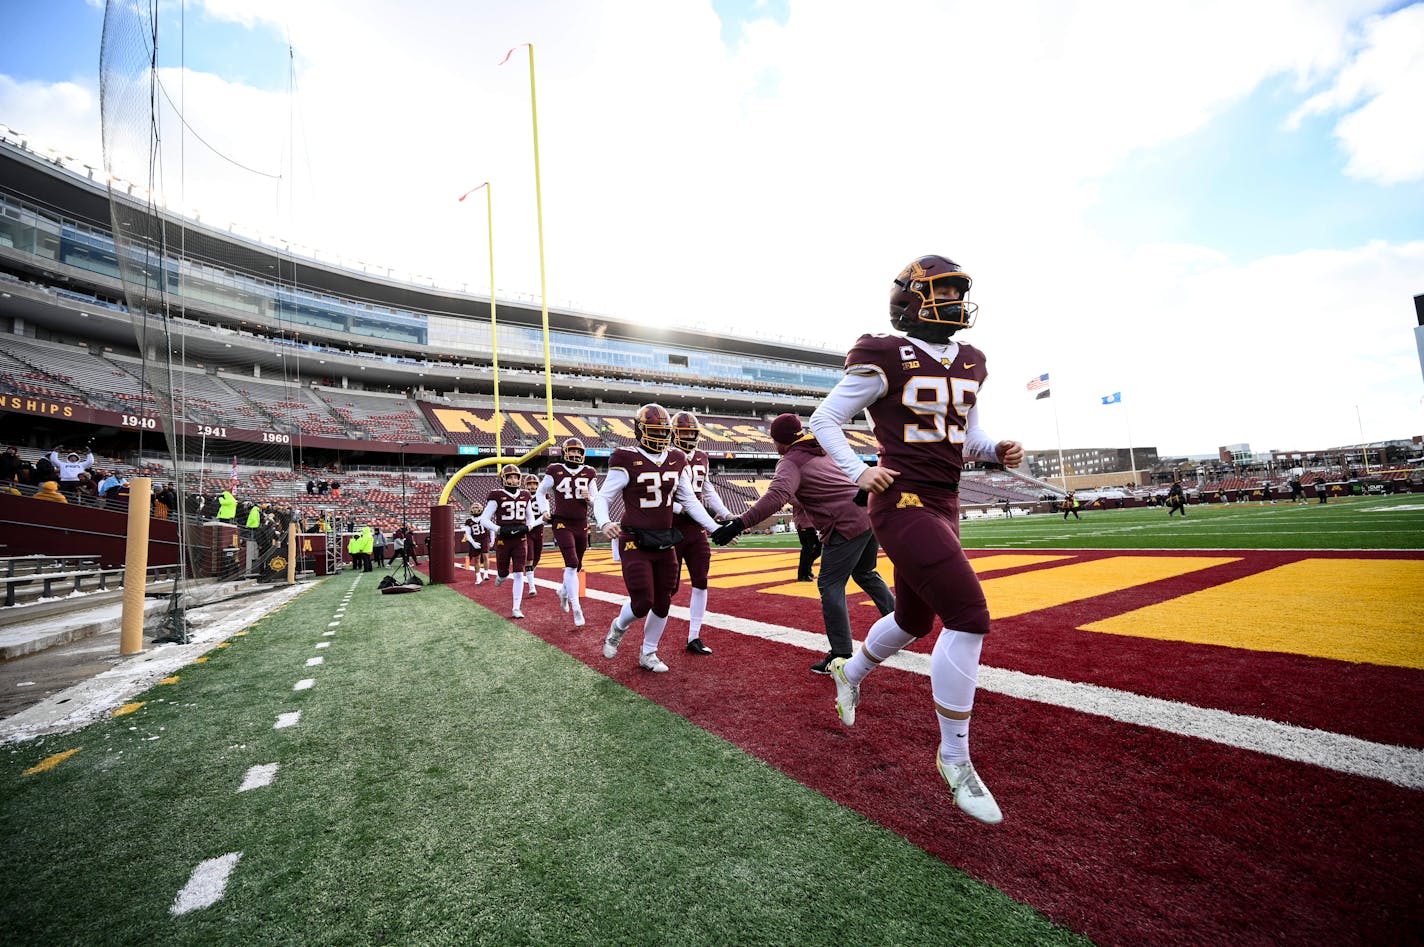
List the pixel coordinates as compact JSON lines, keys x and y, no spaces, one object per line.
{"x":1122,"y":832}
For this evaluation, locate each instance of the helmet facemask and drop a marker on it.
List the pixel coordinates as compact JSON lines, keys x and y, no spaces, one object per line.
{"x":574,"y":452}
{"x":652,"y":428}
{"x":686,"y":431}
{"x":920,"y":308}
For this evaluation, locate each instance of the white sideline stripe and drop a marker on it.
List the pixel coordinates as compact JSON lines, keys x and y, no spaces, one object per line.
{"x":287,"y":720}
{"x":206,"y":885}
{"x":304,"y":684}
{"x":1403,"y":766}
{"x":313,"y":662}
{"x":327,"y":634}
{"x":258,"y":776}
{"x":332,"y":624}
{"x":323,"y":644}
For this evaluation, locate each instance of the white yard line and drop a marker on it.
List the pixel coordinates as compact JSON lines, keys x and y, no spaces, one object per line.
{"x":206,"y":885}
{"x":1402,"y":766}
{"x":287,"y":720}
{"x":305,"y":684}
{"x":313,"y":662}
{"x":258,"y":776}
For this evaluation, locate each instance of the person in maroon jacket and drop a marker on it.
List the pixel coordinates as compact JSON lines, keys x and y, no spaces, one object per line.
{"x":921,"y":389}
{"x":565,"y":491}
{"x":826,"y":497}
{"x":648,"y":480}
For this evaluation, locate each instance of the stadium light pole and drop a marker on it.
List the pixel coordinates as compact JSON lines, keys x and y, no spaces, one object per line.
{"x":494,"y":321}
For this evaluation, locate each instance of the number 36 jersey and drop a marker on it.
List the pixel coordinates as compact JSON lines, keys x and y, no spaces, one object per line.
{"x":922,"y":419}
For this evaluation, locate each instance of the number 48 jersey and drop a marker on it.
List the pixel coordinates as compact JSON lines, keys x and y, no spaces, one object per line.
{"x":570,"y":491}
{"x":922,"y":418}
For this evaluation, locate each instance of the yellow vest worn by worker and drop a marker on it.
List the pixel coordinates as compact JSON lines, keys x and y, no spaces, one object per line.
{"x":227,"y":506}
{"x":254,"y":518}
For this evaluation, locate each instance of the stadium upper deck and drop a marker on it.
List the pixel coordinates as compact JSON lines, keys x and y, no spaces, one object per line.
{"x":236,"y":297}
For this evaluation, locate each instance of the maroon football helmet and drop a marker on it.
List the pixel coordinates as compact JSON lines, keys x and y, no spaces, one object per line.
{"x":686,"y":430}
{"x":914,"y":308}
{"x":652,"y":427}
{"x":573,"y":452}
{"x":510,"y":477}
{"x":531,"y":482}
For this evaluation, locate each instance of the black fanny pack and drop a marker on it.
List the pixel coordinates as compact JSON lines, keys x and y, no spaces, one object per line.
{"x":655,"y":540}
{"x":513,"y":532}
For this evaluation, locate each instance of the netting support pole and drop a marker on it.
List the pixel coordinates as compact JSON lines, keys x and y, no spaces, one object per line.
{"x":291,"y":553}
{"x":442,"y":544}
{"x":135,"y":566}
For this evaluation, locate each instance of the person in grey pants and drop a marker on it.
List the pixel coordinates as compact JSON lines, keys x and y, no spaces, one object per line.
{"x":826,"y":496}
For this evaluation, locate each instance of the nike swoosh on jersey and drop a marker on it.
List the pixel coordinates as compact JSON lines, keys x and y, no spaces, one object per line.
{"x":969,"y":365}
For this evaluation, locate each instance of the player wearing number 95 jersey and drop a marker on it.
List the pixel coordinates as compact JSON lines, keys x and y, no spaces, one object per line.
{"x":649,"y":480}
{"x":922,"y":389}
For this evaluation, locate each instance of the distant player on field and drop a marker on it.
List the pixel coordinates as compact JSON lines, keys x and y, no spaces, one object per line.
{"x":535,"y":539}
{"x":509,"y":513}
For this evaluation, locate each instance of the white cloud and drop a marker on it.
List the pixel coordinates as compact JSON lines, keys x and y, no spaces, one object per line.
{"x":776,"y":186}
{"x":1381,"y":92}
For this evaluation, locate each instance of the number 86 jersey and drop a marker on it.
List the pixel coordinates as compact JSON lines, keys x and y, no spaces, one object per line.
{"x":922,"y":417}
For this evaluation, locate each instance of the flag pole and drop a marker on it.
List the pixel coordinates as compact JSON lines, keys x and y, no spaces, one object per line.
{"x":1062,"y":470}
{"x":1131,"y":456}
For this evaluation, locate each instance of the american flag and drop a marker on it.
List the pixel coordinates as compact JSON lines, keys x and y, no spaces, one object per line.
{"x":1040,"y":382}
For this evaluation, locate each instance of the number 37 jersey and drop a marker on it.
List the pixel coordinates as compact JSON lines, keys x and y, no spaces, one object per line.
{"x":922,"y":419}
{"x":648,"y":496}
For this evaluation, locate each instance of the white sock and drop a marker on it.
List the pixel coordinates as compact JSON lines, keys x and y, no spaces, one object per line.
{"x":695,"y":610}
{"x":570,"y":584}
{"x":954,"y":669}
{"x":625,"y":617}
{"x":653,"y":627}
{"x":885,"y":639}
{"x":518,"y":589}
{"x":953,"y":739}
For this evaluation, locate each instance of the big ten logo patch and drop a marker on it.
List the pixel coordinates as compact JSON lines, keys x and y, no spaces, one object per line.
{"x":908,"y":359}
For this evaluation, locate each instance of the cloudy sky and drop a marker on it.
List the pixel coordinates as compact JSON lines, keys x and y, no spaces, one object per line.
{"x":1216,"y":208}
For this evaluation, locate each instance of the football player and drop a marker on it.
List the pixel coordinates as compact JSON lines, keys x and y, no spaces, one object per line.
{"x":509,"y":512}
{"x":570,"y":484}
{"x":922,"y":391}
{"x":536,"y":533}
{"x":648,"y":479}
{"x":476,"y":548}
{"x":694,"y":551}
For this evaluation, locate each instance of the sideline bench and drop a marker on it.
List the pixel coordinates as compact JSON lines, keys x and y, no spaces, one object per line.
{"x":24,"y":571}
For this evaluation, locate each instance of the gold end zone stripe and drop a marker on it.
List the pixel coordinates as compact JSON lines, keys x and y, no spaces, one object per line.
{"x":1364,"y":610}
{"x":1047,"y":588}
{"x":981,"y":564}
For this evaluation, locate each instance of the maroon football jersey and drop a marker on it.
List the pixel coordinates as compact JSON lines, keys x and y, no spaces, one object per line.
{"x":570,"y":493}
{"x":647,"y":499}
{"x":510,"y":510}
{"x":922,"y":419}
{"x":697,"y":465}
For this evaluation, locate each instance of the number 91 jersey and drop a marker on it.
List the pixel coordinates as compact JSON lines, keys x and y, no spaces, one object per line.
{"x":648,"y":496}
{"x":922,"y":419}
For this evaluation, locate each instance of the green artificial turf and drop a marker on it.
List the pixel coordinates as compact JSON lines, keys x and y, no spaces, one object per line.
{"x":1393,"y":522}
{"x":453,"y":780}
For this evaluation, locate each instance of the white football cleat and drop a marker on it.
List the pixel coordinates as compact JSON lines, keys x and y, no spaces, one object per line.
{"x":651,"y":662}
{"x":479,"y":577}
{"x":847,"y":694}
{"x":615,"y":637}
{"x":578,"y":618}
{"x":970,"y":793}
{"x":516,"y":614}
{"x":563,"y":600}
{"x":529,"y":587}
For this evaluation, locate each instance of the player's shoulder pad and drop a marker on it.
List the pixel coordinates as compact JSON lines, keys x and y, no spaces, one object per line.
{"x":969,"y":353}
{"x":875,"y":348}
